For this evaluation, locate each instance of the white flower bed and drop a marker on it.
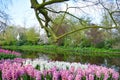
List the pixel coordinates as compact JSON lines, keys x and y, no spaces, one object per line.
{"x":46,"y":65}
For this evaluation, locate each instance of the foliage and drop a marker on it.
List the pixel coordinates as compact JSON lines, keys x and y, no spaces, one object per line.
{"x":51,"y":49}
{"x":111,"y":37}
{"x":73,"y":39}
{"x":9,"y":36}
{"x":95,"y":36}
{"x":32,"y":36}
{"x":85,"y":42}
{"x":61,"y":25}
{"x":27,"y":36}
{"x":41,"y":8}
{"x":7,"y":56}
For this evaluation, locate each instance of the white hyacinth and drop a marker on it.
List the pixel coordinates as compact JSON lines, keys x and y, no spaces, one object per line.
{"x":45,"y":65}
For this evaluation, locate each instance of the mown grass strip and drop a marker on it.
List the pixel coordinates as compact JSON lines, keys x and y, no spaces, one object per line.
{"x":51,"y":49}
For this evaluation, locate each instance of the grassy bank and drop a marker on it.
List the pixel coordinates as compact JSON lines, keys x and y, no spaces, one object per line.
{"x":52,"y":49}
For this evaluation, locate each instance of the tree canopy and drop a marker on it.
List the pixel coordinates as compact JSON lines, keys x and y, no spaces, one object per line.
{"x":42,"y":8}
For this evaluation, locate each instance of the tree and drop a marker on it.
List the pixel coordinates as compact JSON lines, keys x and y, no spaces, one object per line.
{"x":112,"y":8}
{"x":32,"y":36}
{"x":95,"y":36}
{"x":9,"y":36}
{"x":2,"y":26}
{"x":43,"y":9}
{"x":4,"y":17}
{"x":111,"y":17}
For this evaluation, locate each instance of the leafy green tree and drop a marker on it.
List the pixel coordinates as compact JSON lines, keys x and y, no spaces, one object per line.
{"x":9,"y":36}
{"x":32,"y":36}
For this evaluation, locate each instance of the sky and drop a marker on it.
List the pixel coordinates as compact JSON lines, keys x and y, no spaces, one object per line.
{"x":21,"y":13}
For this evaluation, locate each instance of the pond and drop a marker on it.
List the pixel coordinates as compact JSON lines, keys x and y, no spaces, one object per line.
{"x":112,"y":62}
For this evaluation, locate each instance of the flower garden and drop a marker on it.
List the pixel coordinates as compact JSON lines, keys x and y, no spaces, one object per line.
{"x":17,"y":68}
{"x":9,"y":52}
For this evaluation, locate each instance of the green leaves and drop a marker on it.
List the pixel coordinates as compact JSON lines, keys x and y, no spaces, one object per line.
{"x":27,"y":77}
{"x":32,"y":36}
{"x":7,"y":56}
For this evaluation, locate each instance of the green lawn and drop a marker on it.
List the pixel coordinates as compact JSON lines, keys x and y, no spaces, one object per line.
{"x":52,"y":49}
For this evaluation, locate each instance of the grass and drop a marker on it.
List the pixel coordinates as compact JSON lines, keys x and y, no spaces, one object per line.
{"x":52,"y":49}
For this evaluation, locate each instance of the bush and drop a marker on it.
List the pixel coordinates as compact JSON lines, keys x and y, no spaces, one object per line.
{"x":108,"y":44}
{"x":100,"y":45}
{"x":20,"y":42}
{"x":7,"y":56}
{"x":85,"y":43}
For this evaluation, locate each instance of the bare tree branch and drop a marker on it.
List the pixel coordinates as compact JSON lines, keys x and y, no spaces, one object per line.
{"x":4,"y":17}
{"x":110,"y":13}
{"x":84,"y":6}
{"x":63,"y":17}
{"x":117,"y":4}
{"x":2,"y":26}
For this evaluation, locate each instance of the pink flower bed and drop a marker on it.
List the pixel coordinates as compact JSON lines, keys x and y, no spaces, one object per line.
{"x":12,"y":70}
{"x":10,"y":52}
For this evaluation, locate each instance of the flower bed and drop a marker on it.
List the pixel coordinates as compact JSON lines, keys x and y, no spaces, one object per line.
{"x":10,"y":52}
{"x":7,"y":54}
{"x":16,"y":70}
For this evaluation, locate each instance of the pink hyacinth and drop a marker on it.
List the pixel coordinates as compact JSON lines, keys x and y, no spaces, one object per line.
{"x":115,"y":75}
{"x":78,"y":77}
{"x":10,"y":52}
{"x":91,"y":77}
{"x":29,"y":70}
{"x":70,"y":77}
{"x":12,"y":70}
{"x":72,"y":69}
{"x":37,"y":74}
{"x":56,"y":75}
{"x":64,"y":74}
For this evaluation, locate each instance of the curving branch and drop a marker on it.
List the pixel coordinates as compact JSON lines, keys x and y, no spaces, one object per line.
{"x":68,"y":33}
